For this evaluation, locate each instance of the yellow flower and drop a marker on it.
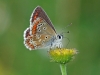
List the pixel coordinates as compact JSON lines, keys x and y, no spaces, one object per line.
{"x":62,"y":55}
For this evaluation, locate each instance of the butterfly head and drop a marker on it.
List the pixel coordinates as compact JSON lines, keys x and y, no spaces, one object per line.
{"x":57,"y":43}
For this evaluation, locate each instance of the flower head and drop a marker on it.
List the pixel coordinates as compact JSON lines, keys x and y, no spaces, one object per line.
{"x":62,"y":55}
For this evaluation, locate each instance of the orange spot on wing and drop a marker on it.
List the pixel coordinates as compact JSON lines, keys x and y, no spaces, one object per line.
{"x":35,"y":16}
{"x":35,"y":26}
{"x":29,"y":44}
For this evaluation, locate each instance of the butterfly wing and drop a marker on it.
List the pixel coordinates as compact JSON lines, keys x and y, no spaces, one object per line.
{"x":39,"y":12}
{"x":41,"y":30}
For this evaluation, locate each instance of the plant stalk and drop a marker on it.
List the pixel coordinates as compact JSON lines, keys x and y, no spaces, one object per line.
{"x":63,"y":69}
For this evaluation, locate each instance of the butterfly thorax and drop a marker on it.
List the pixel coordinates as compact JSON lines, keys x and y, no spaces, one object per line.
{"x":57,"y":41}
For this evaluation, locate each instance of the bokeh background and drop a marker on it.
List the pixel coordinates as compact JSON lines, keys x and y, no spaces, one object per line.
{"x":84,"y":35}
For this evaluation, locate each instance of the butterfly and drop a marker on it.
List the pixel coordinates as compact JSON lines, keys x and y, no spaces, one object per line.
{"x":41,"y":32}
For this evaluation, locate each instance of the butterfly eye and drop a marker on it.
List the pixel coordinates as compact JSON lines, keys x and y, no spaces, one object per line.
{"x":59,"y":37}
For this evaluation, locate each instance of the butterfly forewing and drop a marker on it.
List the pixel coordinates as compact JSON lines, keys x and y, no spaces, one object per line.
{"x":39,"y":12}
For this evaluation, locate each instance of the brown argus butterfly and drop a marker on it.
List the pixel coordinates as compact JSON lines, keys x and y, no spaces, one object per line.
{"x":41,"y":32}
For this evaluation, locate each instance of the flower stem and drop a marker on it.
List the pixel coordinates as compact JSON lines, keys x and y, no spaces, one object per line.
{"x":63,"y":69}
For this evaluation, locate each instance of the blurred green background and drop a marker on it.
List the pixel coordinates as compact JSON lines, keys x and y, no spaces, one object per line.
{"x":84,"y":35}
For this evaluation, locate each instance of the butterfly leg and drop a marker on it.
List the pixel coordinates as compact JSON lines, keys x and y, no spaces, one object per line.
{"x":56,"y":45}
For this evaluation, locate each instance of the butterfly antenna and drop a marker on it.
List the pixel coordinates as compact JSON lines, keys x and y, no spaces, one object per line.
{"x":64,"y":28}
{"x":64,"y":32}
{"x":67,"y":26}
